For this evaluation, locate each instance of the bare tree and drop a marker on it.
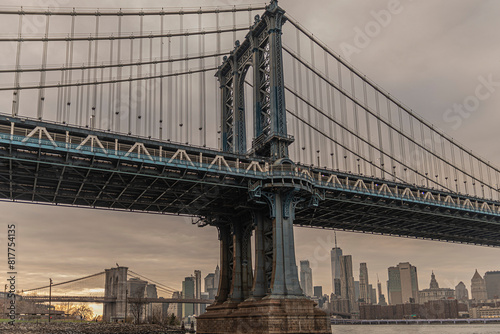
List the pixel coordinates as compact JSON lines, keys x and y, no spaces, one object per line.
{"x":137,"y":305}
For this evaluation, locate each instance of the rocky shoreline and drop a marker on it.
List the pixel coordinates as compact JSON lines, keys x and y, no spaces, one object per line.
{"x":85,"y":328}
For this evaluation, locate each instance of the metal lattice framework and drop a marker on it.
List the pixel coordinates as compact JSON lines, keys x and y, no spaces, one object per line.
{"x":262,"y":51}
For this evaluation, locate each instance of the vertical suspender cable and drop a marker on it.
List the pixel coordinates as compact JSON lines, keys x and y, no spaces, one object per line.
{"x":89,"y":63}
{"x":315,"y":147}
{"x":100,"y":101}
{"x":299,"y":76}
{"x":15,"y":99}
{"x":118,"y":112}
{"x":368,"y":130}
{"x":379,"y":129}
{"x":329,"y":107}
{"x":162,"y":19}
{"x":171,"y":111}
{"x":180,"y":110}
{"x":216,"y":85}
{"x":111,"y":92}
{"x":96,"y":53}
{"x":70,"y":73}
{"x":309,"y":118}
{"x":154,"y":111}
{"x":149,"y":113}
{"x":234,"y":24}
{"x":66,"y":97}
{"x":401,"y":140}
{"x":343,"y":109}
{"x":187,"y":91}
{"x":80,"y":105}
{"x":130,"y":87}
{"x":295,"y":64}
{"x":140,"y":85}
{"x":356,"y":118}
{"x":203,"y":102}
{"x":41,"y":91}
{"x":391,"y":137}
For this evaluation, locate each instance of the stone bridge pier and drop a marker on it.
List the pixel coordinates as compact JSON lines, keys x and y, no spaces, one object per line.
{"x":268,"y":299}
{"x":115,"y":287}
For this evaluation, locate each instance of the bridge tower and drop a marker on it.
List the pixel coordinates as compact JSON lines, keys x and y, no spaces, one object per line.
{"x":268,"y":299}
{"x":115,"y":288}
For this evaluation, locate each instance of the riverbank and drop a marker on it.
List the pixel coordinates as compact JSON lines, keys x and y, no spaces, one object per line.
{"x":84,"y":328}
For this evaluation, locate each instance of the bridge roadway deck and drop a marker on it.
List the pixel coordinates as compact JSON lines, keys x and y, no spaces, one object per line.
{"x":92,"y":299}
{"x":45,"y":162}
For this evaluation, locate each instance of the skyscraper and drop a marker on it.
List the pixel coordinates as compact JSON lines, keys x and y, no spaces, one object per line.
{"x":306,"y":278}
{"x":492,"y":280}
{"x":381,"y":297}
{"x":461,"y":292}
{"x":402,"y":285}
{"x":478,"y":287}
{"x":347,"y":282}
{"x":335,"y":254}
{"x":364,"y":290}
{"x":188,"y":292}
{"x":210,"y":286}
{"x":373,"y":291}
{"x":197,"y":293}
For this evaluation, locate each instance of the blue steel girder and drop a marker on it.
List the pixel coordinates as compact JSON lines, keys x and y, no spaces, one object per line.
{"x":195,"y":181}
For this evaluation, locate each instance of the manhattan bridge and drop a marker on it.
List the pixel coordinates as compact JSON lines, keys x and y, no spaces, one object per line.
{"x":240,"y":118}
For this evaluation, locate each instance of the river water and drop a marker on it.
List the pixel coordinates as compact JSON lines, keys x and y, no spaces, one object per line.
{"x":420,"y":329}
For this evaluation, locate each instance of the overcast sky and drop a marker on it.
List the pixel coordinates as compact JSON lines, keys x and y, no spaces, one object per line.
{"x":430,"y":54}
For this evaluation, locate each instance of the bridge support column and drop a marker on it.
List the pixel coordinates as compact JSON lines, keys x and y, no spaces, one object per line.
{"x":115,"y":289}
{"x":276,"y":303}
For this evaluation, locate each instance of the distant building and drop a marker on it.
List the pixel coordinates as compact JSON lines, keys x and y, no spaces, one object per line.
{"x":137,"y":290}
{"x":203,"y":307}
{"x":306,"y":278}
{"x":197,"y":291}
{"x":437,"y":309}
{"x":337,"y":286}
{"x":435,"y":292}
{"x":492,"y":281}
{"x":335,"y":254}
{"x":356,"y":291}
{"x":478,"y":287}
{"x":402,"y":286}
{"x":347,"y":283}
{"x":188,"y":292}
{"x":485,"y":312}
{"x":176,"y":309}
{"x":381,"y":296}
{"x":217,"y":277}
{"x":151,"y":292}
{"x":373,"y":294}
{"x":318,"y":291}
{"x":364,"y":288}
{"x":210,"y":286}
{"x":461,"y":292}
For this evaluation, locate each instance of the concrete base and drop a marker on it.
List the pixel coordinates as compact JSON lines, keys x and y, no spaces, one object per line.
{"x":267,"y":316}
